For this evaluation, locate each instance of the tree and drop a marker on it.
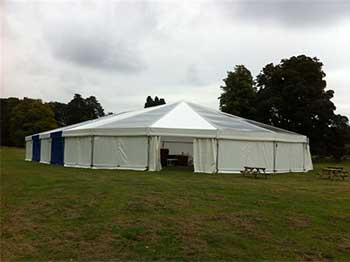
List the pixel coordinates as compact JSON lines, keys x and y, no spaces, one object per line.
{"x":156,"y":102}
{"x":339,"y":135}
{"x":60,"y":111}
{"x":94,"y":108}
{"x":80,"y":109}
{"x":30,"y":116}
{"x":149,"y":102}
{"x":7,"y":106}
{"x":19,"y":118}
{"x":76,"y":110}
{"x":292,"y":95}
{"x":239,"y":93}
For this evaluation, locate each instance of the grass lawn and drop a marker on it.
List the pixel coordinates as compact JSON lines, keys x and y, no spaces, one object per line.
{"x":56,"y":213}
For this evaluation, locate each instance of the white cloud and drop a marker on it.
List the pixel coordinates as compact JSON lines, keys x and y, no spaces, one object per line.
{"x":121,"y":52}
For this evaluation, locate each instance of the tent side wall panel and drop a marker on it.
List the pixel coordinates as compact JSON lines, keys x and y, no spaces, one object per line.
{"x":205,"y":155}
{"x":290,"y":157}
{"x":57,"y":148}
{"x":235,"y":155}
{"x":120,"y":152}
{"x":307,"y":158}
{"x":36,"y":148}
{"x":45,"y":150}
{"x":29,"y":150}
{"x":77,"y":151}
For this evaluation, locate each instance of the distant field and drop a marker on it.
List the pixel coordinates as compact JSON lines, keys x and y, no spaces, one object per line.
{"x":55,"y":213}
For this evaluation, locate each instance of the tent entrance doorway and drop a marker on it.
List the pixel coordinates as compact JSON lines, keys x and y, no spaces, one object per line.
{"x":176,"y":151}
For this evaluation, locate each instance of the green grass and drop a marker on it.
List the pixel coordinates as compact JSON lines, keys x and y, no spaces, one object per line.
{"x":55,"y":213}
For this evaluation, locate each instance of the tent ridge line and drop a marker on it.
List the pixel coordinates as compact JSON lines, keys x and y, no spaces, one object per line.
{"x":239,"y":119}
{"x":245,"y":120}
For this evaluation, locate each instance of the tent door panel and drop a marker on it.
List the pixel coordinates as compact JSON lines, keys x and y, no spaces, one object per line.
{"x":36,"y":148}
{"x":57,"y":148}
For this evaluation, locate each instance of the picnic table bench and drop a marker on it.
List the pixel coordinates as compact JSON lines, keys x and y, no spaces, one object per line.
{"x":254,"y":171}
{"x":333,"y":172}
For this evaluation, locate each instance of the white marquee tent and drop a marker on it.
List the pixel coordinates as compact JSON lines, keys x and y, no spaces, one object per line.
{"x":216,"y":141}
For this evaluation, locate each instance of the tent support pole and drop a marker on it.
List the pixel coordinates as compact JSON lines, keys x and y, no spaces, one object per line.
{"x":274,"y":156}
{"x":147,"y":168}
{"x":304,"y":151}
{"x":92,"y":151}
{"x":217,"y":156}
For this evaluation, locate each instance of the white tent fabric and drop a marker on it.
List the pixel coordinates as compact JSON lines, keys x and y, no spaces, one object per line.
{"x":29,"y":149}
{"x":47,"y":134}
{"x":289,"y":157}
{"x":234,"y":155}
{"x":189,"y":119}
{"x":204,"y":155}
{"x":105,"y":150}
{"x":307,"y":158}
{"x":154,"y":163}
{"x":77,"y":151}
{"x":45,"y":150}
{"x":132,"y":140}
{"x":120,"y":152}
{"x":184,"y":119}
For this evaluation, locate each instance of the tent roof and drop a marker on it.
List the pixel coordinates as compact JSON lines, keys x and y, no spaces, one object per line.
{"x":46,"y":134}
{"x":182,"y":119}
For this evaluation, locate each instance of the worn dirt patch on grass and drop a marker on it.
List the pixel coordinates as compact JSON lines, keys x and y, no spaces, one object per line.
{"x":314,"y":256}
{"x":298,"y":221}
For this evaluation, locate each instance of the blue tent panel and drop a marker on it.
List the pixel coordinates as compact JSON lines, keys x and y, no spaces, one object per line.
{"x":36,"y":148}
{"x":57,"y":148}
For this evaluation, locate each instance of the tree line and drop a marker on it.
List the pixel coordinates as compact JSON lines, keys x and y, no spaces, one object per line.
{"x":291,"y":95}
{"x":23,"y":117}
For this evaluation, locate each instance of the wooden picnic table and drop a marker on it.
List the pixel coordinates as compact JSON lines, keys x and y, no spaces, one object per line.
{"x":333,"y":173}
{"x":254,"y":171}
{"x":336,"y":167}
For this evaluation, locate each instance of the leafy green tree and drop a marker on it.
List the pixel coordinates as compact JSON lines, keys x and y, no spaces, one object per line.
{"x":239,"y":93}
{"x":6,"y":109}
{"x":339,"y":136}
{"x":94,"y":108}
{"x":156,"y":102}
{"x":76,"y":110}
{"x":60,"y":111}
{"x":30,"y":116}
{"x":292,"y":95}
{"x":80,"y":109}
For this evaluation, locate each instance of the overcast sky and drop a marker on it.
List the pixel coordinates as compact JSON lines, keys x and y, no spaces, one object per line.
{"x":123,"y":51}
